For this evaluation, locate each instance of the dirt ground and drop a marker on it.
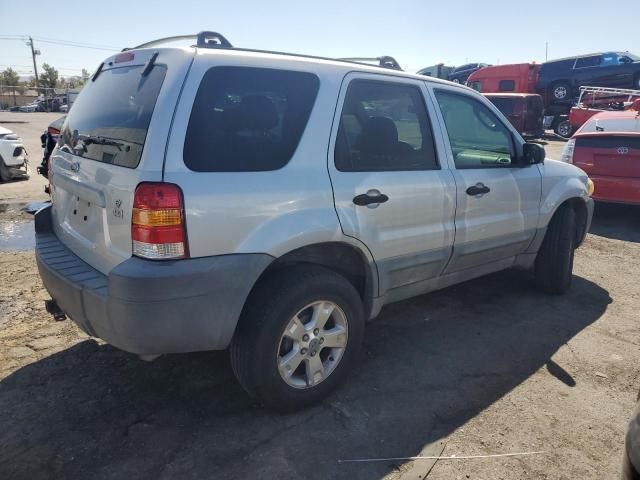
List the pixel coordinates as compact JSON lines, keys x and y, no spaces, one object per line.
{"x":486,"y":367}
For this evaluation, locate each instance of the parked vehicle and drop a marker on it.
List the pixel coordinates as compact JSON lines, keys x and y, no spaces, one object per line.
{"x":287,"y":201}
{"x":31,"y":107}
{"x":516,"y":78}
{"x":437,"y":71}
{"x":523,"y":110}
{"x":559,"y":80}
{"x":594,"y":100}
{"x":607,"y":147}
{"x":14,"y":160}
{"x":49,"y":139}
{"x":520,"y":78}
{"x":631,"y":459}
{"x":461,"y":74}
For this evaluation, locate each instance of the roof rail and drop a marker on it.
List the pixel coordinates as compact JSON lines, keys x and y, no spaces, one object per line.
{"x":203,"y":40}
{"x":385,"y":61}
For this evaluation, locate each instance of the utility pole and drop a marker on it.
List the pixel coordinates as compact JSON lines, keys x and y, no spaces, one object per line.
{"x":33,"y":56}
{"x":546,"y":51}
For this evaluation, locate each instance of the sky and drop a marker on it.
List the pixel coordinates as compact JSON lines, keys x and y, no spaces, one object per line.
{"x":417,"y":33}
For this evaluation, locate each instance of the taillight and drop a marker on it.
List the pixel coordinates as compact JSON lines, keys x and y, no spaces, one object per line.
{"x":567,"y":153}
{"x":157,"y":223}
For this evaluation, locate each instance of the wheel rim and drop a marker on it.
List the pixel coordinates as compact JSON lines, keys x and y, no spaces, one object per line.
{"x":560,"y":92}
{"x":312,"y":344}
{"x":563,"y":130}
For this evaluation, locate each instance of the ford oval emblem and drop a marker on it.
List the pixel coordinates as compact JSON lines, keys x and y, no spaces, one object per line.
{"x":75,"y":166}
{"x":623,"y":150}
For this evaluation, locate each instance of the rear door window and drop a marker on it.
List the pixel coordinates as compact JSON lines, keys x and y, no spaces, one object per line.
{"x":109,"y":120}
{"x":384,"y":127}
{"x":248,"y":119}
{"x":592,"y":61}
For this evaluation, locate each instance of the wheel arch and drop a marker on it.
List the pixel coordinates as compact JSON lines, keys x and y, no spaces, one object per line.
{"x":346,"y":259}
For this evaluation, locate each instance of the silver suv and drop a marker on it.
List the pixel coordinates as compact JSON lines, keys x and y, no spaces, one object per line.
{"x":212,"y":197}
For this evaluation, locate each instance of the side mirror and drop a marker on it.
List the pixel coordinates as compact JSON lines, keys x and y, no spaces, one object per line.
{"x":533,"y":153}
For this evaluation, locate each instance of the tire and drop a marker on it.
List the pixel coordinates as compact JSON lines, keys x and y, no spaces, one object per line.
{"x":260,"y":344}
{"x":554,"y":262}
{"x":5,"y":176}
{"x":561,"y":92}
{"x":564,"y":129}
{"x":636,"y":82}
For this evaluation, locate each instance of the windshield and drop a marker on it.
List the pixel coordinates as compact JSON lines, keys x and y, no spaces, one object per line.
{"x":109,"y":120}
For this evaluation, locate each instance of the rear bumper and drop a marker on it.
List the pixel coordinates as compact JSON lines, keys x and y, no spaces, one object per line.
{"x":149,"y":307}
{"x":616,"y":189}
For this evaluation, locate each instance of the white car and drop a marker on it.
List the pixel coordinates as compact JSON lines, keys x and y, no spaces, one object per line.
{"x":32,"y":107}
{"x":13,"y":156}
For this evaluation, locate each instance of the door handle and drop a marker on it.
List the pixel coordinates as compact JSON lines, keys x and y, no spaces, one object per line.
{"x":370,"y":198}
{"x":478,"y":189}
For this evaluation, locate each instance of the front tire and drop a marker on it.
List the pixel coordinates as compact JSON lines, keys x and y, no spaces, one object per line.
{"x":298,"y":336}
{"x":5,"y":176}
{"x":554,"y":262}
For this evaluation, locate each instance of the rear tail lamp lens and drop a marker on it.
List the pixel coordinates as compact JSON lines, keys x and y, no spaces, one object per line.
{"x":567,"y":153}
{"x":157,"y":223}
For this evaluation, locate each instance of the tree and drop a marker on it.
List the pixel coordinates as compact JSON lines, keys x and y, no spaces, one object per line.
{"x":49,"y":77}
{"x":10,"y":78}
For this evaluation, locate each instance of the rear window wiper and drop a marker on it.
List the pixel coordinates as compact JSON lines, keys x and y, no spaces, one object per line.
{"x":98,"y":140}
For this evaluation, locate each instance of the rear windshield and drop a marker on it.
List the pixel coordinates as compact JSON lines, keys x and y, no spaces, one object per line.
{"x":505,"y":105}
{"x":109,"y":120}
{"x":248,"y":119}
{"x":631,"y":125}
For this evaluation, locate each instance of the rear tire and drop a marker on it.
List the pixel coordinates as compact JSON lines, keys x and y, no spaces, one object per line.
{"x":554,"y":262}
{"x":564,"y":129}
{"x":265,"y":324}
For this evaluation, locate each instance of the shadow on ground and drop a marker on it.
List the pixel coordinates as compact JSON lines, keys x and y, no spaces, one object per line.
{"x":428,"y":366}
{"x":619,"y":222}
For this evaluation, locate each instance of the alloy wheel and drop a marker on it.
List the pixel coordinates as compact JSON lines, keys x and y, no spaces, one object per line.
{"x":312,"y":344}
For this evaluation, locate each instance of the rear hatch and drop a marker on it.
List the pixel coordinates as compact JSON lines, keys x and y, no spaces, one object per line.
{"x":608,"y":155}
{"x":613,"y":162}
{"x":113,"y":138}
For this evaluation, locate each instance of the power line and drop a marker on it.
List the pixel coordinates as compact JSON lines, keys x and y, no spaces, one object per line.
{"x":96,"y":45}
{"x":64,"y":43}
{"x":76,"y":45}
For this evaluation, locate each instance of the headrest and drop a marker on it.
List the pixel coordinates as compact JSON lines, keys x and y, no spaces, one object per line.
{"x":380,"y":131}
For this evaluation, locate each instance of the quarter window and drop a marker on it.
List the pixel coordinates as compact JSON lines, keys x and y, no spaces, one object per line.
{"x":248,"y":119}
{"x":478,"y":138}
{"x":384,"y":127}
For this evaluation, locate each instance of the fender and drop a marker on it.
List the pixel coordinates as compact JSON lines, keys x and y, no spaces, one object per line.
{"x":302,"y":228}
{"x":560,"y":182}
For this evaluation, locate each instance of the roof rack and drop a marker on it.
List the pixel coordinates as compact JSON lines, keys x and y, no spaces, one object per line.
{"x":216,"y":40}
{"x":203,"y":40}
{"x":615,"y":91}
{"x":385,"y":61}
